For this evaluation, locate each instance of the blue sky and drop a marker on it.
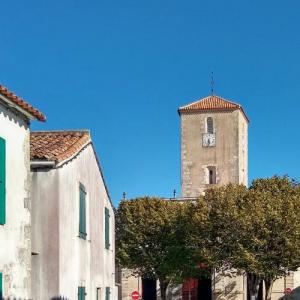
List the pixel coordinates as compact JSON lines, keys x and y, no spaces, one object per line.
{"x":122,"y":68}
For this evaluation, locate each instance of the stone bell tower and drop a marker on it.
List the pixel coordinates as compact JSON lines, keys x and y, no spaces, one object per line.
{"x":214,"y":151}
{"x":214,"y":145}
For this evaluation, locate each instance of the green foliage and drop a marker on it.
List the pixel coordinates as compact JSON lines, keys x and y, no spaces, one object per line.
{"x":277,"y":225}
{"x":257,"y":229}
{"x":153,"y":238}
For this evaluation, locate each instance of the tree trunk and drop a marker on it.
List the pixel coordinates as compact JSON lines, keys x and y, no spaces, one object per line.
{"x":269,"y":286}
{"x":253,"y":282}
{"x":163,"y":284}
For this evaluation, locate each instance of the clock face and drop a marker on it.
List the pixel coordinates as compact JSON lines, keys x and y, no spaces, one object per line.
{"x":209,"y":140}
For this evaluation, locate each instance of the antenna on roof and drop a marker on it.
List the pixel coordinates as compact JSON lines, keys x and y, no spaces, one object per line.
{"x":212,"y":83}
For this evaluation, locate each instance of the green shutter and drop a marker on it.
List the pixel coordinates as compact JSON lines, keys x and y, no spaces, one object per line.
{"x":106,"y":218}
{"x":82,"y":212}
{"x":1,"y":288}
{"x":2,"y":181}
{"x":81,"y":293}
{"x":107,"y":293}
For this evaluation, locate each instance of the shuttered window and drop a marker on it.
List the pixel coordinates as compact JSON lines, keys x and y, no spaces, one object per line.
{"x":81,"y":293}
{"x":107,"y":293}
{"x":82,"y":211}
{"x":1,"y":287}
{"x":2,"y":181}
{"x":106,"y":225}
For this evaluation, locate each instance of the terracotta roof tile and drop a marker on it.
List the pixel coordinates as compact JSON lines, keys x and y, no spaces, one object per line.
{"x":57,"y":145}
{"x":211,"y":103}
{"x":21,"y":103}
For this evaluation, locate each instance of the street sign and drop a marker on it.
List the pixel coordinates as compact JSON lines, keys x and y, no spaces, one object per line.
{"x":135,"y":295}
{"x":287,"y":291}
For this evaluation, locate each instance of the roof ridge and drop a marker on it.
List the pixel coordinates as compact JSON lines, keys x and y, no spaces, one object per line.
{"x":76,"y":147}
{"x":21,"y":103}
{"x":227,"y":100}
{"x":210,"y":103}
{"x":61,"y":131}
{"x":57,"y":145}
{"x":208,"y":97}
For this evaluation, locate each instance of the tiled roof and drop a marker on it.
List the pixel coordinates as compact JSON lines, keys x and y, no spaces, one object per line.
{"x":211,"y":103}
{"x":21,"y":103}
{"x":57,"y":145}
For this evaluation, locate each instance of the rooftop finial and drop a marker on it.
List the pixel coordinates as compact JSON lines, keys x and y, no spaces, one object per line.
{"x":212,"y":83}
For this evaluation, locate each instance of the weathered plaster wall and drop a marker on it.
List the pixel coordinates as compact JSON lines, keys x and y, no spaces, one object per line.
{"x":45,"y":234}
{"x":80,"y":262}
{"x":15,"y":250}
{"x":226,"y":156}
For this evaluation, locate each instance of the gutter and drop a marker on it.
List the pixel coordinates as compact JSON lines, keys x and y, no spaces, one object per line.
{"x":38,"y":164}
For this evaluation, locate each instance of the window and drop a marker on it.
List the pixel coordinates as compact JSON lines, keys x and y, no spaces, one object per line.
{"x":106,"y":226}
{"x":81,"y":293}
{"x":1,"y":288}
{"x":2,"y":181}
{"x":212,"y":175}
{"x":82,"y":212}
{"x":107,"y":293}
{"x":209,"y":125}
{"x":98,"y":294}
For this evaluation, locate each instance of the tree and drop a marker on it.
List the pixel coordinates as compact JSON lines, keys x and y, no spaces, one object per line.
{"x":278,"y":199}
{"x":153,"y":239}
{"x":229,"y":231}
{"x":256,"y":230}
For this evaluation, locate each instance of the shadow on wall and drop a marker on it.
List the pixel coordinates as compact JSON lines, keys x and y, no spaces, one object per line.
{"x":295,"y":295}
{"x":229,"y":293}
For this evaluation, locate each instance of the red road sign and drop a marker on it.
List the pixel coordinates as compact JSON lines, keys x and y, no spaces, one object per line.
{"x":135,"y":295}
{"x":287,"y":291}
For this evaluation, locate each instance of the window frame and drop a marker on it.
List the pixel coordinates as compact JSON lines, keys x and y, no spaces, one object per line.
{"x":107,"y":293}
{"x":210,"y":125}
{"x":212,"y":175}
{"x":81,"y":293}
{"x":98,"y":293}
{"x":82,"y":211}
{"x":1,"y":285}
{"x":106,"y":228}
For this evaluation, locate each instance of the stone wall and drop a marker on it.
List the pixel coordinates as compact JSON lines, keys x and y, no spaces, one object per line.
{"x":229,"y":156}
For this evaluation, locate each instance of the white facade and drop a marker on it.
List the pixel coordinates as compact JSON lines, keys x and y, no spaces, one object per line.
{"x":64,"y":261}
{"x":15,"y":249}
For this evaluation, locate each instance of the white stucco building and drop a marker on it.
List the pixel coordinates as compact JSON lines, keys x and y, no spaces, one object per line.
{"x":15,"y":220}
{"x":73,"y":240}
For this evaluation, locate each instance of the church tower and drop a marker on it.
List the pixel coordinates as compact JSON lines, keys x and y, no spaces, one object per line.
{"x":214,"y":145}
